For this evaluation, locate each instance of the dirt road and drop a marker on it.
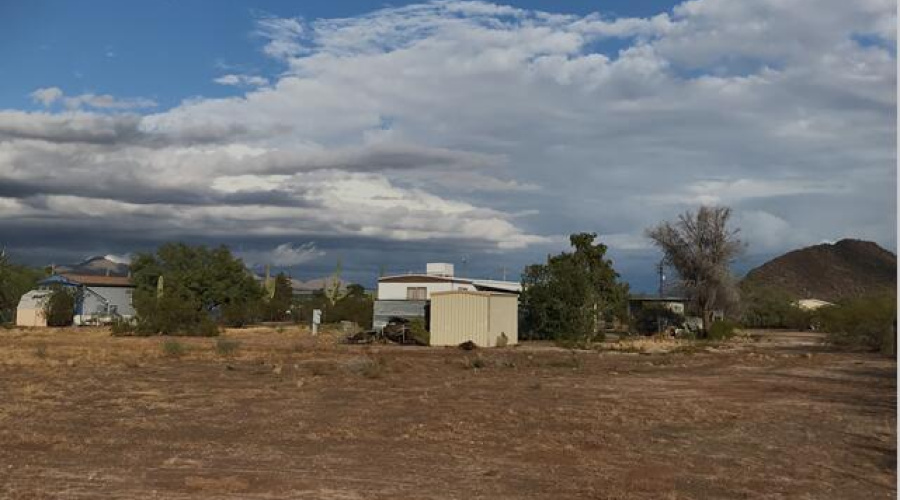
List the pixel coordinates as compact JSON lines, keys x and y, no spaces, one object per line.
{"x":85,"y":415}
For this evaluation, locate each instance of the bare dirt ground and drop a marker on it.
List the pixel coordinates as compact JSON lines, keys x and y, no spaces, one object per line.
{"x":86,"y":415}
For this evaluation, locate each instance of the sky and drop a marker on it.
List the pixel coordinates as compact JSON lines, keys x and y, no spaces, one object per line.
{"x":482,"y":134}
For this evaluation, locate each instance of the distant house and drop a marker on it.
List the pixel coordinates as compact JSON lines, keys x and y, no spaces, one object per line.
{"x":811,"y":304}
{"x":674,"y":304}
{"x":98,"y":298}
{"x":408,"y":295}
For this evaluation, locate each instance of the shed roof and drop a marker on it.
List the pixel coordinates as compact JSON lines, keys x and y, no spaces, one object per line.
{"x":474,"y":292}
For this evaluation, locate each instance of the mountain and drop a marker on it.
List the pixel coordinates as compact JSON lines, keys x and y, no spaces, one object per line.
{"x":846,"y":269}
{"x":95,"y":266}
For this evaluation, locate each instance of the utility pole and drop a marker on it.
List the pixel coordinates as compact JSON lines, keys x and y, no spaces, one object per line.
{"x":662,"y":278}
{"x":503,"y":272}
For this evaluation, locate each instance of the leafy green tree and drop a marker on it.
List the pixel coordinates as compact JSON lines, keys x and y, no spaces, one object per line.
{"x":15,"y":281}
{"x":570,"y":295}
{"x":356,"y":306}
{"x":197,"y":282}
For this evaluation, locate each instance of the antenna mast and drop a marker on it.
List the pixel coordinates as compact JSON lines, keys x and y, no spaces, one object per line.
{"x":660,"y":270}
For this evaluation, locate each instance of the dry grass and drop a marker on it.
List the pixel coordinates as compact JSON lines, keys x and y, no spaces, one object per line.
{"x":287,"y":415}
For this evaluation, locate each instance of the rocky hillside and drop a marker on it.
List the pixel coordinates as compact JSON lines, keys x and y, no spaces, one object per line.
{"x":846,"y":269}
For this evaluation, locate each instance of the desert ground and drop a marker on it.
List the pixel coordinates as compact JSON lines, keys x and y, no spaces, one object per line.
{"x":285,"y":415}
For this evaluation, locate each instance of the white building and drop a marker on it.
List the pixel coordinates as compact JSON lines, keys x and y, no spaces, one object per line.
{"x":98,"y":298}
{"x":408,"y":295}
{"x":438,"y":277}
{"x":811,"y":304}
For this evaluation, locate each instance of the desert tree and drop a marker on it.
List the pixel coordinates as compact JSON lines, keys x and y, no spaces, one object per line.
{"x":701,"y":247}
{"x":567,"y":297}
{"x":198,"y":283}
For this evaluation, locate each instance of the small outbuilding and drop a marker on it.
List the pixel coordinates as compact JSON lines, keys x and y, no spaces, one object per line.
{"x":484,"y":318}
{"x":30,"y":311}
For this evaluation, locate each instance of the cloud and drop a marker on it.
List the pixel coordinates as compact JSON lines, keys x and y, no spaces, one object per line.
{"x":119,"y":259}
{"x":282,"y":35}
{"x":51,"y":95}
{"x":284,"y":255}
{"x":481,"y":128}
{"x":236,"y":80}
{"x":47,"y":96}
{"x":107,"y":101}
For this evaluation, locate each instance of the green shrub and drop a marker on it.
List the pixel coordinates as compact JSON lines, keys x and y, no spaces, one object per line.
{"x":866,"y":322}
{"x":417,"y":331}
{"x":121,"y":327}
{"x":582,"y":342}
{"x":59,"y":306}
{"x":173,"y":348}
{"x":226,"y":347}
{"x":721,"y":330}
{"x":175,"y":313}
{"x":571,"y":361}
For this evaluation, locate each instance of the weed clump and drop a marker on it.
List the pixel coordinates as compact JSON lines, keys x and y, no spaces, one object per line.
{"x":40,"y":351}
{"x":367,"y":367}
{"x":173,"y":348}
{"x":571,"y":361}
{"x":474,"y":362}
{"x":721,"y":330}
{"x":226,"y":347}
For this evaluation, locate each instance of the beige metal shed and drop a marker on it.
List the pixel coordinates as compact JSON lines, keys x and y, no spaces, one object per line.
{"x":30,"y":311}
{"x":480,"y":317}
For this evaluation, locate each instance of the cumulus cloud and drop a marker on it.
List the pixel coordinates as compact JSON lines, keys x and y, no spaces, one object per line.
{"x":236,"y":80}
{"x":487,"y":127}
{"x":282,"y":35}
{"x":47,"y":96}
{"x":51,"y":95}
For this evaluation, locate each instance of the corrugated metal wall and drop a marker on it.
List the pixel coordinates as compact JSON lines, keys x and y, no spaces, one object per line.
{"x":504,"y":318}
{"x":457,"y":317}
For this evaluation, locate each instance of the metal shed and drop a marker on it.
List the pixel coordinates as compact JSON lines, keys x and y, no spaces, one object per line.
{"x":30,"y":311}
{"x":480,"y":317}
